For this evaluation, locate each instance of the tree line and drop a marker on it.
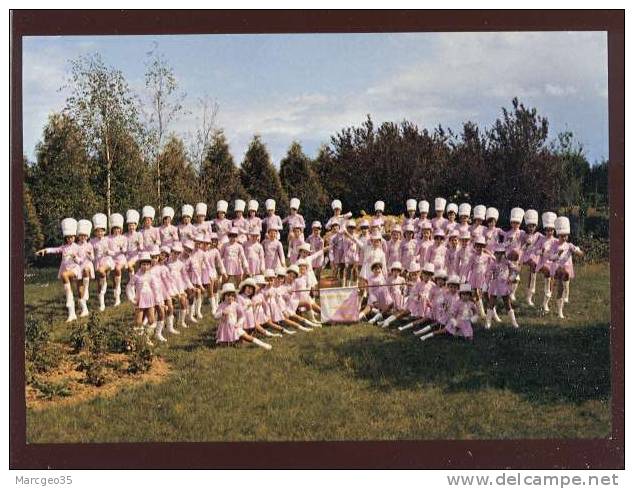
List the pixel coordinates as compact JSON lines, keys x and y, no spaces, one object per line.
{"x":107,"y":151}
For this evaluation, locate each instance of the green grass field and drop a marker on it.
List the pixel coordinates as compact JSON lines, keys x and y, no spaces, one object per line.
{"x":550,"y":379}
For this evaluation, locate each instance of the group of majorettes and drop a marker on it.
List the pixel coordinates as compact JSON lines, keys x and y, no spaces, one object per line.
{"x":415,"y":275}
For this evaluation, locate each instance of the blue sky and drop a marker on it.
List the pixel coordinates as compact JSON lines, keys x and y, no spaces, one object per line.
{"x":307,"y":87}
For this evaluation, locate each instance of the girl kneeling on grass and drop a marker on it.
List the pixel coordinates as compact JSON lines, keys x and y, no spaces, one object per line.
{"x":463,"y":313}
{"x":231,"y":320}
{"x":69,"y":269}
{"x":297,"y":294}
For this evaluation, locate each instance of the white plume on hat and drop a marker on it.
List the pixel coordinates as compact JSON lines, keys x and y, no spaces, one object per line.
{"x":479,"y":212}
{"x":562,"y":225}
{"x":410,"y":205}
{"x":239,"y":205}
{"x":116,"y":220}
{"x":452,"y":208}
{"x":201,"y":209}
{"x":336,"y":204}
{"x":253,"y":205}
{"x":531,"y":217}
{"x":132,"y":216}
{"x":439,"y":204}
{"x":492,"y":213}
{"x":84,"y":226}
{"x":464,"y":209}
{"x":517,"y":214}
{"x":548,"y":219}
{"x":269,"y":204}
{"x":221,"y":206}
{"x":148,"y":211}
{"x":167,"y":212}
{"x":379,"y":205}
{"x":187,"y":210}
{"x":423,"y":206}
{"x":69,"y":227}
{"x":294,"y":204}
{"x":99,"y":220}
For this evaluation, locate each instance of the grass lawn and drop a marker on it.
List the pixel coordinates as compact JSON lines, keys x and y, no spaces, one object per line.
{"x":549,"y":379}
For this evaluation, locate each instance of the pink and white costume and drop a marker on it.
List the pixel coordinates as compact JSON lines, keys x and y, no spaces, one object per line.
{"x":70,"y":259}
{"x":234,"y":259}
{"x":231,"y":321}
{"x":379,"y":292}
{"x":151,"y":237}
{"x":102,"y":253}
{"x":460,"y":316}
{"x":273,"y":253}
{"x":144,"y":286}
{"x":254,"y":253}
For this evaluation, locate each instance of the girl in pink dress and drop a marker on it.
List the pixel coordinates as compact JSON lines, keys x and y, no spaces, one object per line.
{"x":419,"y":300}
{"x":254,"y":252}
{"x":336,"y":242}
{"x":464,"y":255}
{"x":234,"y":259}
{"x":464,"y":213}
{"x":221,"y":225}
{"x":144,"y":286}
{"x":476,"y":271}
{"x":118,"y":247}
{"x":261,"y":312}
{"x":492,"y":233}
{"x":337,"y":216}
{"x":231,"y":320}
{"x":500,"y":277}
{"x":160,"y":294}
{"x":272,"y":220}
{"x":103,"y":261}
{"x":316,"y":243}
{"x":69,"y":269}
{"x":217,"y":272}
{"x":479,"y":214}
{"x":186,"y":229}
{"x":462,"y":315}
{"x":513,"y":240}
{"x":393,"y":253}
{"x":86,"y":256}
{"x":295,"y":240}
{"x":438,"y":251}
{"x":273,"y":250}
{"x":275,"y":312}
{"x":425,"y":243}
{"x":151,"y":235}
{"x":287,"y":300}
{"x":202,"y":226}
{"x":135,"y":241}
{"x":410,"y":213}
{"x":439,"y":222}
{"x":409,"y":248}
{"x":548,"y":245}
{"x":300,"y":292}
{"x":239,"y":222}
{"x":254,"y":221}
{"x":167,"y":231}
{"x":170,"y":292}
{"x":396,"y":287}
{"x":452,"y":256}
{"x":196,"y":264}
{"x":413,"y":279}
{"x":435,"y":317}
{"x":379,"y":299}
{"x":423,"y":210}
{"x":188,"y":272}
{"x":350,"y":256}
{"x":562,"y":267}
{"x":294,"y":219}
{"x":443,"y":301}
{"x":309,"y":256}
{"x":175,"y":265}
{"x":530,"y":252}
{"x":452,"y":213}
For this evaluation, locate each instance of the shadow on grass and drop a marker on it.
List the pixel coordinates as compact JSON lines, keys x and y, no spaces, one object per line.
{"x":197,"y":338}
{"x":543,"y":364}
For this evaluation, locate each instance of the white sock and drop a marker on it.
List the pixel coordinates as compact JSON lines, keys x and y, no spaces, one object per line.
{"x":69,"y":294}
{"x":532,"y":282}
{"x":405,"y":327}
{"x":560,"y":308}
{"x":159,"y":331}
{"x":489,"y":316}
{"x":427,"y":336}
{"x":261,"y":344}
{"x":86,"y":282}
{"x":495,"y":315}
{"x":424,"y":330}
{"x":566,"y":292}
{"x":481,"y":307}
{"x":71,"y":312}
{"x":513,"y":320}
{"x":287,"y":331}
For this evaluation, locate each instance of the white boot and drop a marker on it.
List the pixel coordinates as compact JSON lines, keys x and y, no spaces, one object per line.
{"x":159,"y":331}
{"x":388,"y":321}
{"x":560,"y":308}
{"x":513,"y":320}
{"x":566,"y":293}
{"x":405,"y":327}
{"x":529,"y":298}
{"x":181,"y":318}
{"x":261,"y":344}
{"x":426,"y":329}
{"x":481,"y":308}
{"x":302,"y":328}
{"x":71,"y":312}
{"x":513,"y":290}
{"x":70,"y":300}
{"x":102,"y":295}
{"x":489,"y":316}
{"x":84,"y":308}
{"x":288,"y":331}
{"x":532,"y":282}
{"x":170,"y":325}
{"x":130,"y":292}
{"x":86,"y":283}
{"x":427,"y":336}
{"x":149,"y":332}
{"x":192,"y":312}
{"x":271,"y":335}
{"x":547,"y":295}
{"x":377,"y":317}
{"x":496,"y":318}
{"x":117,"y":291}
{"x":199,"y":304}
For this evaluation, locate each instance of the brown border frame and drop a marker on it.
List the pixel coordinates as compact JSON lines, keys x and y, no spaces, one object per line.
{"x":491,"y":454}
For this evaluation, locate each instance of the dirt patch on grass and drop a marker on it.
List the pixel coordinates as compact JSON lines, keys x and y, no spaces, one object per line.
{"x":77,"y":390}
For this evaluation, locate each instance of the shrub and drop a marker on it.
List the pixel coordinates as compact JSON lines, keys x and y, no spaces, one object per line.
{"x":94,"y":368}
{"x":40,"y":353}
{"x":141,"y":357}
{"x":49,"y":390}
{"x":98,"y":336}
{"x":595,"y":249}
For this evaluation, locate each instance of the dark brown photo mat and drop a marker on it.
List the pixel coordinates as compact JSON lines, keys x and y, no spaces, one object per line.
{"x":432,"y":454}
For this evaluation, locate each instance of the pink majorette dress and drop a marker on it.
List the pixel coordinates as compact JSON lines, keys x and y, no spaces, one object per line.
{"x":70,"y":259}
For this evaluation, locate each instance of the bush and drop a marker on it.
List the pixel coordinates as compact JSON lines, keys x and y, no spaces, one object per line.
{"x":40,"y":354}
{"x":94,"y":367}
{"x":100,"y":337}
{"x":141,"y":357}
{"x":595,"y":249}
{"x":49,"y":390}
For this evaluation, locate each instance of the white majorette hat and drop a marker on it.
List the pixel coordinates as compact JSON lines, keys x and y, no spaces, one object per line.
{"x":479,"y":212}
{"x":414,"y":267}
{"x":239,"y":205}
{"x":69,"y":227}
{"x":531,"y":217}
{"x":465,"y":235}
{"x":396,"y":266}
{"x":116,"y":220}
{"x":269,"y":273}
{"x":452,"y":208}
{"x":254,"y":231}
{"x":304,"y":247}
{"x":221,"y":206}
{"x":428,"y":268}
{"x":439,"y":204}
{"x":166,"y":249}
{"x":99,"y":220}
{"x":517,"y":215}
{"x":441,"y":274}
{"x":167,"y":212}
{"x":187,"y":210}
{"x":84,"y":226}
{"x":480,"y":240}
{"x":145,"y":256}
{"x":465,"y":288}
{"x":464,"y":209}
{"x":132,"y":216}
{"x":269,"y":204}
{"x":379,"y":205}
{"x":453,"y":279}
{"x":397,"y":228}
{"x":423,"y":206}
{"x":410,"y":205}
{"x":280,"y":271}
{"x":154,"y":250}
{"x":201,"y":209}
{"x":562,"y":226}
{"x":294,"y":204}
{"x":336,"y":204}
{"x":316,"y":224}
{"x":253,"y":205}
{"x":213,"y":236}
{"x":294,"y":269}
{"x":548,"y":220}
{"x":439,"y":233}
{"x":227,"y":288}
{"x":245,"y":282}
{"x":148,"y":211}
{"x":492,"y":213}
{"x":499,"y":248}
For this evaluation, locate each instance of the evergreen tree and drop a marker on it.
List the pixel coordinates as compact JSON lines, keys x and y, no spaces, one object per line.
{"x":260,"y":178}
{"x":33,"y":235}
{"x":300,"y":180}
{"x":179,"y":176}
{"x":219,"y":176}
